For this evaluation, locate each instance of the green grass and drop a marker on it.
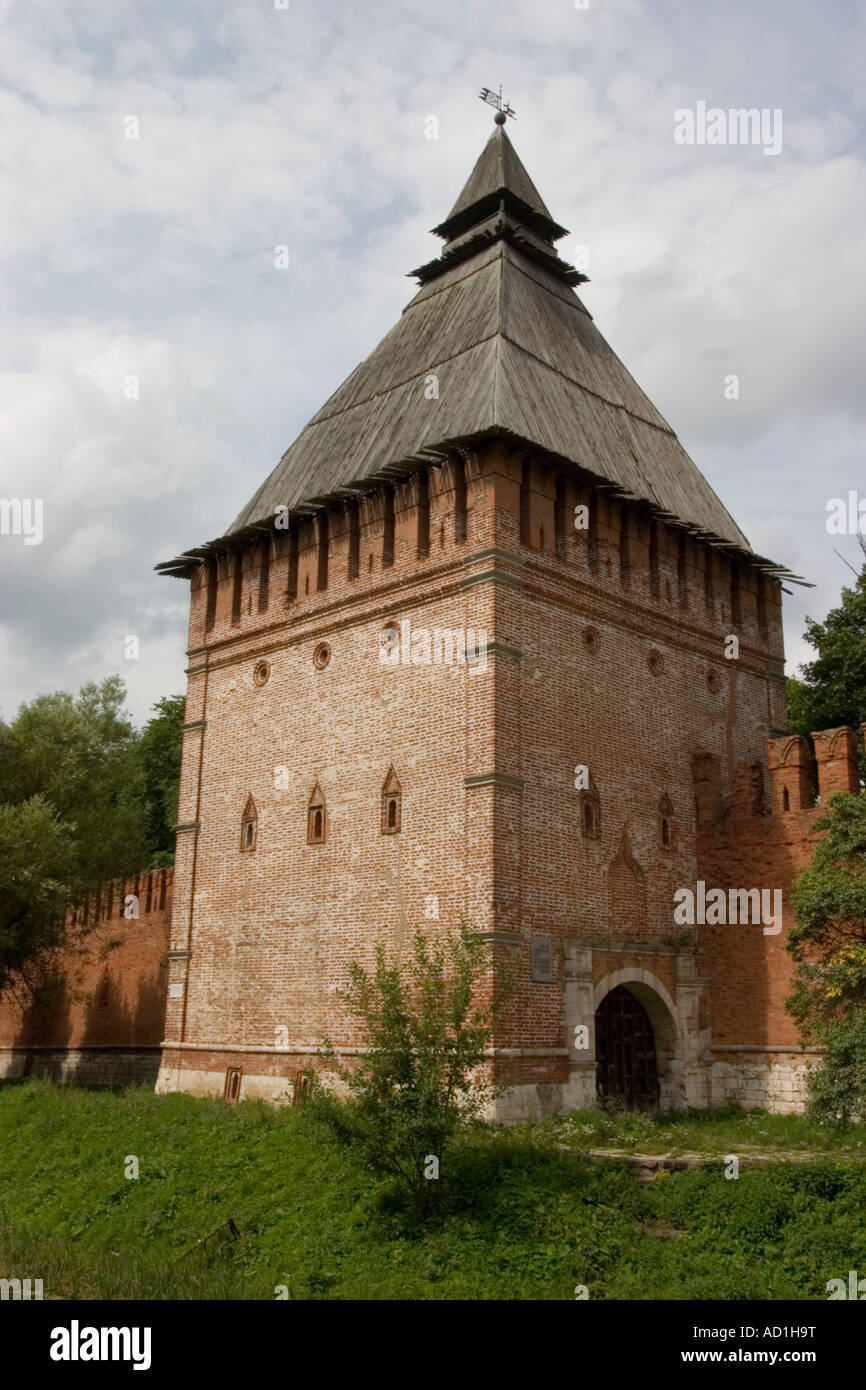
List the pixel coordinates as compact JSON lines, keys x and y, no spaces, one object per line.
{"x":730,"y":1130}
{"x":522,"y":1217}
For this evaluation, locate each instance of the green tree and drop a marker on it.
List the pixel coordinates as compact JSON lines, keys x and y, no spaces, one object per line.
{"x":799,"y":700}
{"x":158,"y":754}
{"x":832,"y":691}
{"x":37,"y":850}
{"x":70,"y":818}
{"x":78,"y":753}
{"x":828,"y":945}
{"x":418,"y":1083}
{"x":837,"y":1089}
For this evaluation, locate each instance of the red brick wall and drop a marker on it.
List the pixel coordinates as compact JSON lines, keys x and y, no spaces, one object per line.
{"x":745,"y":844}
{"x":636,"y":728}
{"x":491,"y":828}
{"x":272,"y":930}
{"x":613,"y":666}
{"x":108,"y":988}
{"x":602,"y":658}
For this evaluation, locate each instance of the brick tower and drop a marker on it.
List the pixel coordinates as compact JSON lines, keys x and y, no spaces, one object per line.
{"x":465,"y":655}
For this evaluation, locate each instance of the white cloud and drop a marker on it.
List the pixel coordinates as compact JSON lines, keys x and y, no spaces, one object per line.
{"x":258,"y":127}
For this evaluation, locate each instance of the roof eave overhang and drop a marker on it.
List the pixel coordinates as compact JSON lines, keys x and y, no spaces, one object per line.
{"x":501,"y":231}
{"x":479,"y":211}
{"x":184,"y":565}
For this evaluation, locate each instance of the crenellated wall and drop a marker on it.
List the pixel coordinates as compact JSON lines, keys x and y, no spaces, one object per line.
{"x":93,"y":1013}
{"x":760,"y":836}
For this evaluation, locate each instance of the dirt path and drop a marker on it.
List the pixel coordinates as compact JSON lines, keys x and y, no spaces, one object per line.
{"x":647,"y":1166}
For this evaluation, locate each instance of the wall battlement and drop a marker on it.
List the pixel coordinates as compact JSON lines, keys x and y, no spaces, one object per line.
{"x":761,"y":836}
{"x":94,"y":1013}
{"x":380,"y":541}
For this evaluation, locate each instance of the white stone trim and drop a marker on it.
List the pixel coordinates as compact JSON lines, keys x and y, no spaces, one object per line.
{"x":636,"y":975}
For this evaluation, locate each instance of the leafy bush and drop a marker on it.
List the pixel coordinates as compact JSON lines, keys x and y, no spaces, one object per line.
{"x":837,"y":1089}
{"x":419,"y":1082}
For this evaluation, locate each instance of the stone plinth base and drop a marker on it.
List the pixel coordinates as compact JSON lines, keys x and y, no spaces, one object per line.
{"x":83,"y":1066}
{"x":762,"y":1078}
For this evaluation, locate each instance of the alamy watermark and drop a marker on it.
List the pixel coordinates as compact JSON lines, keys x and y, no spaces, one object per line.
{"x":438,"y":646}
{"x":846,"y":516}
{"x":739,"y":125}
{"x":77,"y":1343}
{"x":856,"y":1288}
{"x":16,"y":1289}
{"x":22,"y":516}
{"x":713,"y":907}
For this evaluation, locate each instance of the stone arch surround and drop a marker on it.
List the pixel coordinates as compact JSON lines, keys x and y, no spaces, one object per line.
{"x":667,"y":1026}
{"x":674,"y":1008}
{"x":637,"y":975}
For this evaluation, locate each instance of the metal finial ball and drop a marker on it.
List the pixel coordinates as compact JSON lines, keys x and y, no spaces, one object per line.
{"x":500,"y":118}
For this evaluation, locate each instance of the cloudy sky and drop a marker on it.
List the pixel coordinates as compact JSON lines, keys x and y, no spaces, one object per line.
{"x":302,"y":123}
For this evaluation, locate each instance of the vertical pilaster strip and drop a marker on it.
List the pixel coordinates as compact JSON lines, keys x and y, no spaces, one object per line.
{"x":579,"y":1013}
{"x":493,"y":781}
{"x":186,"y":857}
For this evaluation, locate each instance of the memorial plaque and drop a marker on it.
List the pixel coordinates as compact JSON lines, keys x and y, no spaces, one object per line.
{"x":541,"y":959}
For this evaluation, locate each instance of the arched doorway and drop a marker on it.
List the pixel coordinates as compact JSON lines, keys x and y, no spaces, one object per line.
{"x":625,"y":1046}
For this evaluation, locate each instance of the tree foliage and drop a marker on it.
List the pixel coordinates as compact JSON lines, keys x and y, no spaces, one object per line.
{"x":837,"y":1089}
{"x":36,"y":851}
{"x":83,"y":798}
{"x":158,"y":752}
{"x":78,"y":753}
{"x":832,"y":691}
{"x":828,"y":945}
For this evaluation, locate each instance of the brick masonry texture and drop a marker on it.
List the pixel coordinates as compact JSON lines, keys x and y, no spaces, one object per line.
{"x":606,"y":651}
{"x":96,"y":1011}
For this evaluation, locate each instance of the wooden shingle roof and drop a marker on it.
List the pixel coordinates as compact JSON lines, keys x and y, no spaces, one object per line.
{"x":498,"y":166}
{"x":515,"y":355}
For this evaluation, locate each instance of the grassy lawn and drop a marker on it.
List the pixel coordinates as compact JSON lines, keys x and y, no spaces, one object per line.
{"x":523,"y":1217}
{"x":705,"y":1131}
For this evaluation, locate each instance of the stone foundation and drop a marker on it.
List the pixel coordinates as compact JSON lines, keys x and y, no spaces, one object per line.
{"x":767,"y":1079}
{"x":756,"y":1079}
{"x":771,"y":1078}
{"x":266,"y":1074}
{"x":84,"y":1066}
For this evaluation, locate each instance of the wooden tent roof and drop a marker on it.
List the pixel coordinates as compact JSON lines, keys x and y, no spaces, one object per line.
{"x":498,"y":167}
{"x":516,"y":355}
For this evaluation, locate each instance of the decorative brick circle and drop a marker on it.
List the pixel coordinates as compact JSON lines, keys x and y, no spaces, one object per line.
{"x":655,"y":662}
{"x":322,"y":655}
{"x":591,"y":639}
{"x":261,"y":671}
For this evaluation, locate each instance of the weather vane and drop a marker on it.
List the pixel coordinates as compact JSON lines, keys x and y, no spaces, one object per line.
{"x":503,"y":110}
